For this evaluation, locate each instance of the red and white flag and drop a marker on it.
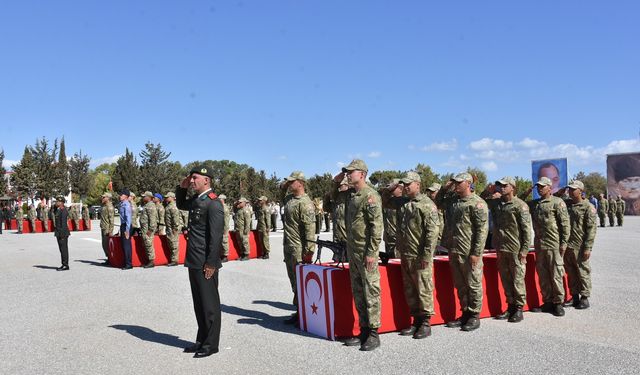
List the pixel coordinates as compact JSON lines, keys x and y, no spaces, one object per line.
{"x":315,"y":299}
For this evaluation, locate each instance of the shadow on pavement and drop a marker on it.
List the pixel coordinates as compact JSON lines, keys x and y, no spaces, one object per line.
{"x":264,"y":320}
{"x":277,"y":305}
{"x":147,"y":334}
{"x":93,"y":263}
{"x":45,"y":267}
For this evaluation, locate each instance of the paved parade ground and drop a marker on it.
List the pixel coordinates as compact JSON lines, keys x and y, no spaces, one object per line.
{"x":102,"y":320}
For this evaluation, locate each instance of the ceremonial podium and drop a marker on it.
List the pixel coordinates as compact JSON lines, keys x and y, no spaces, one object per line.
{"x":326,"y":307}
{"x":163,"y":251}
{"x":26,"y":226}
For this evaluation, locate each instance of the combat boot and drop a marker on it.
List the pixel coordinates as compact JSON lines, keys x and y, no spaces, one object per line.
{"x":506,"y":314}
{"x":293,"y":319}
{"x":424,"y":330}
{"x":417,"y":322}
{"x":583,"y":304}
{"x":573,"y":302}
{"x":358,"y":340}
{"x":517,"y":315}
{"x":472,"y":323}
{"x":372,"y":341}
{"x":462,"y":320}
{"x":558,"y":310}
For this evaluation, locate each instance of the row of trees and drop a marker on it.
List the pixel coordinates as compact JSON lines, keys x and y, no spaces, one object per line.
{"x":45,"y":172}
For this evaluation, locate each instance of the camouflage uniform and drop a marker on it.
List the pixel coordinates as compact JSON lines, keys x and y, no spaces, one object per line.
{"x":583,"y":233}
{"x":148,"y":228}
{"x":339,"y":199}
{"x":551,"y":227}
{"x":466,"y":228}
{"x":45,"y":218}
{"x":161,"y":226}
{"x":390,"y":220}
{"x":613,"y":209}
{"x":106,"y":224}
{"x":433,"y":190}
{"x":603,"y":208}
{"x":511,"y":237}
{"x":264,"y":226}
{"x":225,"y":232}
{"x":86,"y":218}
{"x":173,"y":222}
{"x":74,"y":215}
{"x":185,"y":220}
{"x":299,"y":227}
{"x":135,"y":224}
{"x":364,"y":232}
{"x":620,"y":207}
{"x":31,"y":215}
{"x":19,"y":217}
{"x":416,"y":242}
{"x":242,"y":227}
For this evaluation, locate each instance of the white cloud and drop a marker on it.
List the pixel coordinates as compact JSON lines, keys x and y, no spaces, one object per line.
{"x":625,"y":145}
{"x":411,"y":147}
{"x":106,"y":159}
{"x":453,"y":162}
{"x":531,"y":143}
{"x":489,"y":166}
{"x":282,"y":157}
{"x":374,"y":154}
{"x":441,"y":146}
{"x":485,"y":144}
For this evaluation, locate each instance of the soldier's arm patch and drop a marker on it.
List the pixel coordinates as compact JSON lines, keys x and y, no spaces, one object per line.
{"x":525,"y":207}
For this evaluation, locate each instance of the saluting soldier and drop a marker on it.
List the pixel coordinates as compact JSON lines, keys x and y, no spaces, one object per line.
{"x":582,"y":216}
{"x":364,"y":232}
{"x":173,"y":222}
{"x":467,"y":227}
{"x":417,"y":237}
{"x":204,"y":243}
{"x":225,"y":236}
{"x":264,"y":225}
{"x":511,"y":238}
{"x":603,"y":208}
{"x":620,"y":207}
{"x":299,"y":229}
{"x":106,"y":223}
{"x":31,"y":215}
{"x":432,"y":192}
{"x":242,"y":227}
{"x":157,"y":200}
{"x":340,"y":194}
{"x":62,"y":234}
{"x":613,"y":210}
{"x":148,"y":227}
{"x":552,"y":228}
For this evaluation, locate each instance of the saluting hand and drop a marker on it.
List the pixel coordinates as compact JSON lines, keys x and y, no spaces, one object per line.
{"x":185,"y":182}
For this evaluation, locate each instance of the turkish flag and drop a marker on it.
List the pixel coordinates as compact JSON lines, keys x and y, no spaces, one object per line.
{"x":315,"y":300}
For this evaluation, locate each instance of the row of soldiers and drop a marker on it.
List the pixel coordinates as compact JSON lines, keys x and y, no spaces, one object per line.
{"x":43,"y":213}
{"x":614,"y":208}
{"x":458,"y":218}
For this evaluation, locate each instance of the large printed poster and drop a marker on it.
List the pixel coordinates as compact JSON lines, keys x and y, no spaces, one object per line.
{"x":623,"y":179}
{"x":555,"y":169}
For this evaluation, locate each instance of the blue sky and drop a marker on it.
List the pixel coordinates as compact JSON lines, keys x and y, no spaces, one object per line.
{"x":309,"y":85}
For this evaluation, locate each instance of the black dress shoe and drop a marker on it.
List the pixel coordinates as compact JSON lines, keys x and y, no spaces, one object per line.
{"x":224,"y":259}
{"x":244,"y":258}
{"x":205,"y":352}
{"x":62,"y":268}
{"x":293,"y":319}
{"x":149,"y":265}
{"x":265,"y":256}
{"x":171,"y":264}
{"x":193,"y":348}
{"x":582,"y":304}
{"x":127,"y":267}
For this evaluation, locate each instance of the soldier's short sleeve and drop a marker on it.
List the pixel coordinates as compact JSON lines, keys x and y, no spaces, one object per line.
{"x":564,"y":224}
{"x":590,"y":228}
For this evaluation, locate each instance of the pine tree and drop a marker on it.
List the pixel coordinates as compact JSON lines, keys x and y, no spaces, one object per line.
{"x":3,"y":182}
{"x":24,"y":175}
{"x":126,"y":173}
{"x":157,"y":173}
{"x":61,"y":183}
{"x":79,"y":178}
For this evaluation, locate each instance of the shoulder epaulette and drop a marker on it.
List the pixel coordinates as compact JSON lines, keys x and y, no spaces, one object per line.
{"x":212,"y":195}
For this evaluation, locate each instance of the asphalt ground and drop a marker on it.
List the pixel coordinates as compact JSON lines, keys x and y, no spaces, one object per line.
{"x":102,"y":320}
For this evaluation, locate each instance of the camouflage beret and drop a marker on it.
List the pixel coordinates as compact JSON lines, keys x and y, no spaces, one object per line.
{"x":107,"y":195}
{"x":544,"y":181}
{"x":147,"y":194}
{"x":434,"y":187}
{"x":507,"y":180}
{"x":410,"y":177}
{"x":576,"y":184}
{"x":263,"y":198}
{"x":296,"y":175}
{"x":170,"y":194}
{"x":464,"y":176}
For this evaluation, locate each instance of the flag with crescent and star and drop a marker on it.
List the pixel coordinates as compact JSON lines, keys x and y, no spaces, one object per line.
{"x":315,"y":300}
